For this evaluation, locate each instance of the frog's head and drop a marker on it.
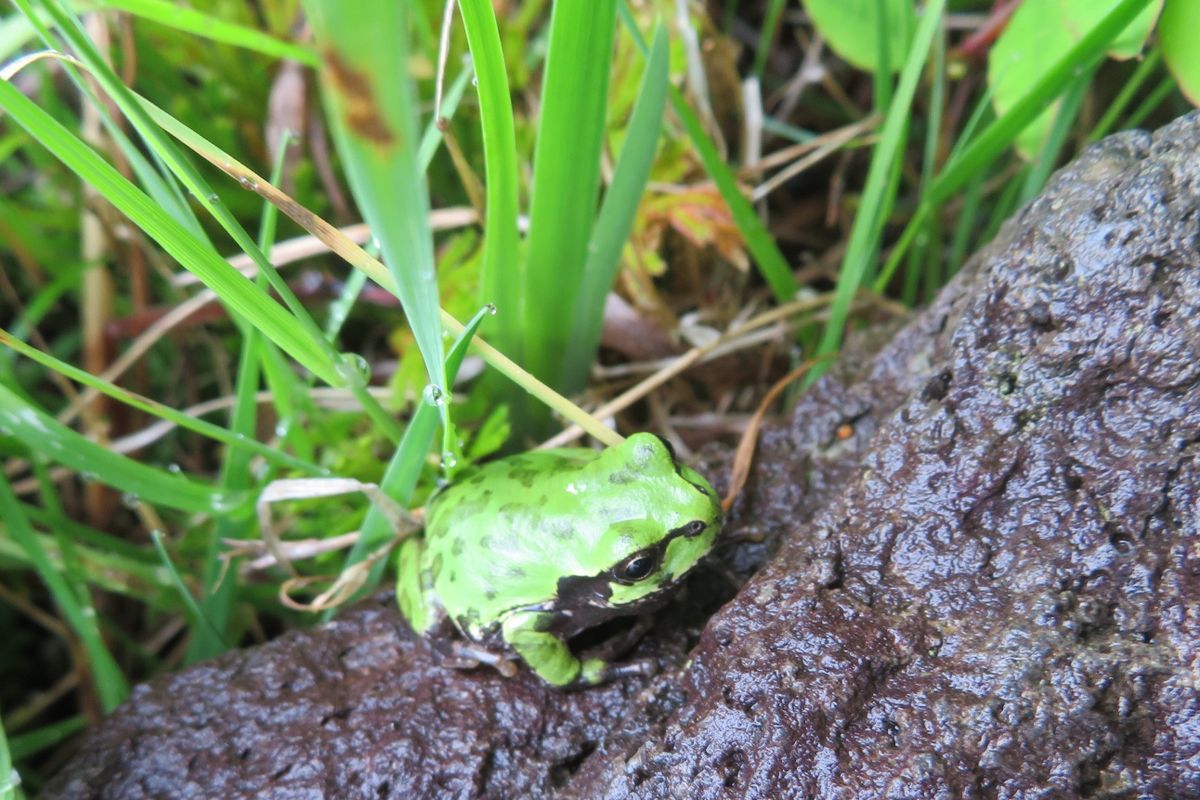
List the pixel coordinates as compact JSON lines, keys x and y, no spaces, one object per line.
{"x":664,"y":521}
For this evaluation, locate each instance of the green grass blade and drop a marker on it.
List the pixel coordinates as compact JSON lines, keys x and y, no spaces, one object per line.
{"x":1153,"y":100}
{"x":404,"y":469}
{"x":238,"y":293}
{"x":617,"y":213}
{"x":207,"y":26}
{"x":972,"y":159}
{"x":864,"y":236}
{"x":1128,"y":92}
{"x":566,"y":177}
{"x":332,"y":367}
{"x":34,"y":742}
{"x":158,"y":183}
{"x":966,"y":225}
{"x":502,"y":269}
{"x":372,"y":109}
{"x":220,"y":579}
{"x":52,"y":440}
{"x":9,"y":779}
{"x":1047,"y":156}
{"x":770,"y":27}
{"x":1001,"y":133}
{"x":110,"y":681}
{"x":106,"y":560}
{"x":200,"y":619}
{"x":759,"y":241}
{"x":215,"y":432}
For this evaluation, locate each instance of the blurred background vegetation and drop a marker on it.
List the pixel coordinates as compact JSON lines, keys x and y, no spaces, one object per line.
{"x":669,"y":203}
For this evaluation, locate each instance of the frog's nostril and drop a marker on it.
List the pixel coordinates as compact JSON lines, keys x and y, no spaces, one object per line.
{"x":694,"y":528}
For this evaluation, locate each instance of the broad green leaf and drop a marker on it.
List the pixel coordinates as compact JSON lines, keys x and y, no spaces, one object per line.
{"x":1179,"y":37}
{"x":852,"y":29}
{"x":1039,"y":34}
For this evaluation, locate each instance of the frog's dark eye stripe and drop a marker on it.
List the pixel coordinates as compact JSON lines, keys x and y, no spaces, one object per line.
{"x":639,"y":566}
{"x":667,"y":444}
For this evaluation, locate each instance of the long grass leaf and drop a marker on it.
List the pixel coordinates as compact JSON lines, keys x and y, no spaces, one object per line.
{"x":333,"y":368}
{"x":219,"y":587}
{"x":864,"y":235}
{"x":215,"y":432}
{"x":1001,"y":133}
{"x":9,"y":779}
{"x":502,"y":268}
{"x":566,"y":177}
{"x":404,"y":469}
{"x":970,"y":160}
{"x":372,"y":105}
{"x":208,"y":26}
{"x":200,"y":618}
{"x":232,"y":287}
{"x":34,"y":742}
{"x":55,"y":442}
{"x":617,"y":214}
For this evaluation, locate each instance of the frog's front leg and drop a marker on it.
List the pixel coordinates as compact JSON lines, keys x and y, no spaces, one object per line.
{"x":547,"y":654}
{"x":550,"y":657}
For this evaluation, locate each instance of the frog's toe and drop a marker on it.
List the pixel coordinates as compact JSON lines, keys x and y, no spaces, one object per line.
{"x":596,"y":671}
{"x":469,"y":656}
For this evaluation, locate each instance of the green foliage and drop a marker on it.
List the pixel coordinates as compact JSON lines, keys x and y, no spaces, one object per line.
{"x":879,"y":193}
{"x":1039,"y":35}
{"x":867,"y":33}
{"x":1177,"y":35}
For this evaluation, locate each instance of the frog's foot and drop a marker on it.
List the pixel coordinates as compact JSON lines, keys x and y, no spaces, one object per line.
{"x":470,"y":656}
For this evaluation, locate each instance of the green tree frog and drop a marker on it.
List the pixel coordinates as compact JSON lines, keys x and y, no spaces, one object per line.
{"x":523,"y":553}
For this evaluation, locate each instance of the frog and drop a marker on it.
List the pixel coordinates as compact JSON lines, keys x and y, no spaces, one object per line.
{"x":521,"y":554}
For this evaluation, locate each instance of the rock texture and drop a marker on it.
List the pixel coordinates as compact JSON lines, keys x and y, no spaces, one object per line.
{"x":989,"y":589}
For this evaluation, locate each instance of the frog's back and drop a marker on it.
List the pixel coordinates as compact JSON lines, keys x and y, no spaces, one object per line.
{"x":497,"y":539}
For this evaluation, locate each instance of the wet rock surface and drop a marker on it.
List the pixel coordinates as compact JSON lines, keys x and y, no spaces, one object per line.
{"x":980,"y":577}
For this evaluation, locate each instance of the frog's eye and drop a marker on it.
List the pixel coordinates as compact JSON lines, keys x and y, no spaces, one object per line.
{"x":694,"y":528}
{"x":639,"y":566}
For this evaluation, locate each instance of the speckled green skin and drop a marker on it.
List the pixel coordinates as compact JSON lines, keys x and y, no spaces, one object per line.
{"x":529,"y":550}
